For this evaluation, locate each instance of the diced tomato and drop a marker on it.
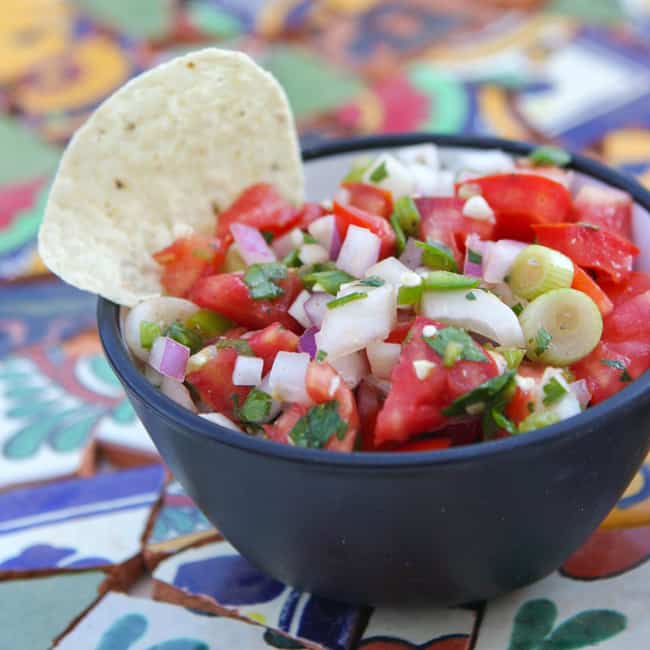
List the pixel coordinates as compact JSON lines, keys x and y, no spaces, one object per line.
{"x":347,"y":215}
{"x":309,"y":212}
{"x":611,"y":366}
{"x":324,"y":384}
{"x":605,"y":207}
{"x":637,"y":283}
{"x":401,"y":329}
{"x":519,"y":408}
{"x":213,"y":382}
{"x":370,"y":198}
{"x":630,"y":320}
{"x":520,"y":201}
{"x":557,"y":174}
{"x":602,"y":251}
{"x":442,"y":221}
{"x":426,"y":444}
{"x":268,"y":342}
{"x":188,"y":259}
{"x":582,"y":282}
{"x":261,"y":207}
{"x":279,"y":430}
{"x":228,"y":294}
{"x":414,"y":406}
{"x":369,"y":401}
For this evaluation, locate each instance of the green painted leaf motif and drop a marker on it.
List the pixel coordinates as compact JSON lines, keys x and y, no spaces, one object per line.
{"x":533,"y":622}
{"x":25,"y":442}
{"x":74,"y":435}
{"x":178,"y":520}
{"x":103,"y":371}
{"x":123,"y":412}
{"x":585,"y":629}
{"x":12,"y":376}
{"x":19,"y":393}
{"x":277,"y":640}
{"x":31,"y":408}
{"x":123,"y":633}
{"x":180,"y":644}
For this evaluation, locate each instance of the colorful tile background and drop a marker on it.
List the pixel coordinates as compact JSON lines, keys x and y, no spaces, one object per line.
{"x":573,"y":72}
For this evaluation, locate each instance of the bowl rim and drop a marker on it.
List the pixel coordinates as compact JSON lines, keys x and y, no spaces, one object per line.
{"x":190,"y":424}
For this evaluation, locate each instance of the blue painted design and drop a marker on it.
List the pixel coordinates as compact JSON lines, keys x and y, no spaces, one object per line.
{"x":123,"y":633}
{"x":229,"y":579}
{"x":37,"y":557}
{"x":642,"y":494}
{"x":288,"y":609}
{"x":328,"y":622}
{"x":180,"y":644}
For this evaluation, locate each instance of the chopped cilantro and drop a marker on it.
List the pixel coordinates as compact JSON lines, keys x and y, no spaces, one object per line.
{"x":185,"y":336}
{"x":344,"y":300}
{"x":308,"y":239}
{"x":256,"y":408}
{"x":268,"y":236}
{"x":318,"y":425}
{"x":485,"y":392}
{"x":292,"y":259}
{"x":501,"y":421}
{"x":542,"y":341}
{"x":518,"y":308}
{"x":437,"y":256}
{"x":618,"y":365}
{"x":625,"y":376}
{"x":548,"y":155}
{"x":149,"y":332}
{"x":239,"y":345}
{"x":331,"y":281}
{"x":259,"y":279}
{"x":321,"y":356}
{"x":466,"y":347}
{"x":400,"y":237}
{"x":379,"y":173}
{"x":553,"y":391}
{"x":372,"y":281}
{"x":531,"y":407}
{"x":474,"y":257}
{"x":470,"y":296}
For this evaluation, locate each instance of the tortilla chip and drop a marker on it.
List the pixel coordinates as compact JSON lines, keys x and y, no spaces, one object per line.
{"x":173,"y":146}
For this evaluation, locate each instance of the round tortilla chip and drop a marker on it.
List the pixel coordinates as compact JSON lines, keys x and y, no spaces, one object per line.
{"x":170,"y":148}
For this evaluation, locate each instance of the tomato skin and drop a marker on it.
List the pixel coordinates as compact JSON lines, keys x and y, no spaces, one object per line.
{"x":521,"y":200}
{"x":347,"y":215}
{"x":321,"y":378}
{"x":414,"y":406}
{"x":637,"y":283}
{"x":630,"y":320}
{"x":425,"y":444}
{"x":442,"y":221}
{"x":607,"y":254}
{"x":186,"y":260}
{"x":272,"y":339}
{"x":259,"y":206}
{"x":213,"y":382}
{"x":604,"y":207}
{"x":400,"y":331}
{"x":370,"y":198}
{"x":309,"y":212}
{"x":228,"y":294}
{"x":279,"y":430}
{"x":582,"y":282}
{"x":518,"y":409}
{"x":369,"y":401}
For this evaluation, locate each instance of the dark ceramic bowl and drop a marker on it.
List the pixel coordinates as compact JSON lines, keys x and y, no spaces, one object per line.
{"x":450,"y":526}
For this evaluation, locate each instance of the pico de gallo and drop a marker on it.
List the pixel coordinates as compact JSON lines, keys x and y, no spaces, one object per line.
{"x":425,"y":306}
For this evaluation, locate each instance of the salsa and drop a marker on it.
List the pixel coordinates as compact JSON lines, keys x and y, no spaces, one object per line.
{"x":420,"y":308}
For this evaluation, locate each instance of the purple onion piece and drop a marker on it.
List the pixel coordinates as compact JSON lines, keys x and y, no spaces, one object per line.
{"x":307,"y":342}
{"x":412,"y":254}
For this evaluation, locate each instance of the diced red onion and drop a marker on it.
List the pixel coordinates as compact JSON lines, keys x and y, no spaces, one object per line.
{"x":177,"y":391}
{"x":383,"y":356}
{"x":316,"y":307}
{"x":499,"y":257}
{"x":335,"y":242}
{"x":282,"y":246}
{"x":169,"y":357}
{"x":412,"y":254}
{"x":247,"y":371}
{"x":297,"y":309}
{"x":252,"y":246}
{"x":474,"y":243}
{"x":287,"y":379}
{"x":581,"y":391}
{"x":360,"y":250}
{"x":307,"y":342}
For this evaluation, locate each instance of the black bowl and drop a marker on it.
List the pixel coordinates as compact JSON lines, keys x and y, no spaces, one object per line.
{"x":450,"y":526}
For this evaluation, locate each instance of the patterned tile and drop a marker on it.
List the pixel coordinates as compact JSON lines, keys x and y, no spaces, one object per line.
{"x":80,"y":523}
{"x":633,"y":508}
{"x":36,"y":611}
{"x":120,"y":622}
{"x":225,"y":579}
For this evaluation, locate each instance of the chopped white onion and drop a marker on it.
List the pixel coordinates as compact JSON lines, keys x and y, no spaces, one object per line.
{"x":198,"y":360}
{"x":476,"y":207}
{"x":282,"y":246}
{"x":398,"y":179}
{"x":287,"y":379}
{"x":445,"y":186}
{"x":221,"y":420}
{"x":276,"y":406}
{"x":350,"y":327}
{"x":389,"y":270}
{"x":297,"y":309}
{"x":169,"y":357}
{"x":177,"y":391}
{"x":360,"y":250}
{"x":313,"y":253}
{"x":382,"y":357}
{"x":498,"y":259}
{"x":321,"y":230}
{"x":247,"y":371}
{"x":316,"y":307}
{"x":480,"y":163}
{"x":162,"y":311}
{"x":420,"y":154}
{"x":154,"y":377}
{"x":485,"y":315}
{"x":425,"y":180}
{"x":252,"y":246}
{"x":581,"y":390}
{"x":352,"y":368}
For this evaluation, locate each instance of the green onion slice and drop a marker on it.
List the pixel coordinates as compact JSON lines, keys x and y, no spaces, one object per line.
{"x":549,"y":155}
{"x":538,"y":269}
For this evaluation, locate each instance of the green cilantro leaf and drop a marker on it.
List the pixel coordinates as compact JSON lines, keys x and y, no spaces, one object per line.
{"x":470,"y":296}
{"x":379,"y":173}
{"x":464,"y":346}
{"x":483,"y":393}
{"x":321,"y":356}
{"x":553,"y":391}
{"x":548,"y":155}
{"x":239,"y":345}
{"x":474,"y":257}
{"x":185,"y":336}
{"x":542,"y":341}
{"x":307,"y":238}
{"x":259,"y":279}
{"x":268,"y":236}
{"x":330,"y":279}
{"x":625,"y":376}
{"x":318,"y":425}
{"x":256,"y":408}
{"x":613,"y":363}
{"x":292,"y":259}
{"x":344,"y":300}
{"x":372,"y":281}
{"x":437,"y":256}
{"x":518,"y":308}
